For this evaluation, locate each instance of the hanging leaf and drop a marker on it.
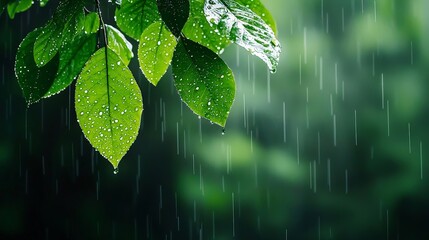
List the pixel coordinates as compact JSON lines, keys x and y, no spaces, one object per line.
{"x":204,"y":82}
{"x":59,"y":30}
{"x":119,"y":44}
{"x":239,"y":24}
{"x":34,"y":81}
{"x":18,"y":6}
{"x":259,"y":9}
{"x":134,"y":16}
{"x":108,"y":105}
{"x":174,"y":13}
{"x":73,"y":57}
{"x":155,"y":51}
{"x":92,"y":23}
{"x":199,"y":30}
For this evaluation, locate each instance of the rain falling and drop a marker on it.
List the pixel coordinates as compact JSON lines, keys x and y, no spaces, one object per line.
{"x":333,"y":145}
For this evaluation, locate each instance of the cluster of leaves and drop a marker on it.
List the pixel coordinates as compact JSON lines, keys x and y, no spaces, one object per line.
{"x":187,"y":34}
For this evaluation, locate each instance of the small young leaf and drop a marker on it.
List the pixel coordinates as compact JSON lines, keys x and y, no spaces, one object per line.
{"x":259,"y":9}
{"x":239,"y":24}
{"x":204,"y":82}
{"x":108,"y":105}
{"x":155,"y":51}
{"x":59,"y":30}
{"x":73,"y":57}
{"x":134,"y":16}
{"x":34,"y":81}
{"x":119,"y":44}
{"x":92,"y":23}
{"x":199,"y":30}
{"x":18,"y":6}
{"x":174,"y":13}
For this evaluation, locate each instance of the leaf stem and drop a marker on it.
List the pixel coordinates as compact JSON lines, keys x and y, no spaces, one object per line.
{"x":103,"y":26}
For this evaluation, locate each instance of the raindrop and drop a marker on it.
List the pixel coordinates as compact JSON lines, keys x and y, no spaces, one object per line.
{"x":115,"y":171}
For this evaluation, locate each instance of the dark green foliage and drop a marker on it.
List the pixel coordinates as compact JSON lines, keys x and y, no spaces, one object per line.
{"x":186,"y":34}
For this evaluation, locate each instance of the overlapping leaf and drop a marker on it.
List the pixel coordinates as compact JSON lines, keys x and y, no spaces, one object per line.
{"x":119,"y":44}
{"x":204,"y":82}
{"x":242,"y":26}
{"x":259,"y":9}
{"x":134,"y":16}
{"x":92,"y":23}
{"x":108,"y":105}
{"x":155,"y":51}
{"x":65,"y":23}
{"x":174,"y":13}
{"x":199,"y":30}
{"x":18,"y":6}
{"x":34,"y":81}
{"x":73,"y":57}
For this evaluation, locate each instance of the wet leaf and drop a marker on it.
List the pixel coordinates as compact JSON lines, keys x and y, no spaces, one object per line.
{"x":134,"y":16}
{"x":155,"y":51}
{"x":239,"y":24}
{"x":259,"y":9}
{"x":59,"y":30}
{"x":92,"y":23}
{"x":199,"y":30}
{"x":119,"y":44}
{"x":108,"y":105}
{"x":34,"y":81}
{"x":73,"y":57}
{"x":174,"y":13}
{"x":204,"y":82}
{"x":18,"y":6}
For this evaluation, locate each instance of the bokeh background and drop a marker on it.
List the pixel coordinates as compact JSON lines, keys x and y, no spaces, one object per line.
{"x":332,"y":146}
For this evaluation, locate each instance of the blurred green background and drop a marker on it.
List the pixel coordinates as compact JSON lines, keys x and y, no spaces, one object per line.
{"x":332,"y":146}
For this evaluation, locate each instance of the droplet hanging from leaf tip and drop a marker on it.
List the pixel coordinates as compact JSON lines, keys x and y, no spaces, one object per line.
{"x":115,"y":171}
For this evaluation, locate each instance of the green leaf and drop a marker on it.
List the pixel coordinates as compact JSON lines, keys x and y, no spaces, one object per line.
{"x":156,"y":49}
{"x":134,"y":16}
{"x":239,"y":24}
{"x":174,"y":13}
{"x":119,"y":44}
{"x":18,"y":6}
{"x":43,"y":2}
{"x":204,"y":82}
{"x":34,"y":81}
{"x":259,"y":9}
{"x":73,"y":57}
{"x":92,"y":23}
{"x":199,"y":30}
{"x":61,"y":29}
{"x":108,"y":105}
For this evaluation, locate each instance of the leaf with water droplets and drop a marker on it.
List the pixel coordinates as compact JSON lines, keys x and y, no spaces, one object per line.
{"x":259,"y":9}
{"x":155,"y":51}
{"x":174,"y":13}
{"x":242,"y":26}
{"x":134,"y":16}
{"x":34,"y":81}
{"x":108,"y":105}
{"x":204,"y":81}
{"x":199,"y":30}
{"x":73,"y":57}
{"x":92,"y":23}
{"x":18,"y":6}
{"x":119,"y":44}
{"x":60,"y":29}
